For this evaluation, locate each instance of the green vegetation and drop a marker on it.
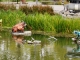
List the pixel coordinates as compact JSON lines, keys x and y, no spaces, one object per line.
{"x":40,"y":9}
{"x":39,"y":20}
{"x":10,"y":18}
{"x":54,"y":23}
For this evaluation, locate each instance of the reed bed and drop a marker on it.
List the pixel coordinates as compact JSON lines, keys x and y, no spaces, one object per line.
{"x":40,"y":9}
{"x":56,"y":23}
{"x":7,"y":7}
{"x":10,"y":18}
{"x":40,"y":22}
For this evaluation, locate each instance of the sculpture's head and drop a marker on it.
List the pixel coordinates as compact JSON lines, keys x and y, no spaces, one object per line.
{"x":75,"y":32}
{"x":24,"y":24}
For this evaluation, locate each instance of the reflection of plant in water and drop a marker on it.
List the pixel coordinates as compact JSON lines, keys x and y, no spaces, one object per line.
{"x":74,"y":53}
{"x":49,"y":49}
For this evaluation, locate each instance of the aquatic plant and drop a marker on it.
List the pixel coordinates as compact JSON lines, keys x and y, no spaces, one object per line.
{"x":10,"y":18}
{"x":56,"y":23}
{"x":40,"y":22}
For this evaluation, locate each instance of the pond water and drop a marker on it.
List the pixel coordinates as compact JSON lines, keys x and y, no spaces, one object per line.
{"x":17,"y":48}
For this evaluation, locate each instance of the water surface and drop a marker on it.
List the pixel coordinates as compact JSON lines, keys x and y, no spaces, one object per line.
{"x":17,"y":48}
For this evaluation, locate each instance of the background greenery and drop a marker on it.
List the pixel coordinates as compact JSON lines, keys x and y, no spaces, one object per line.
{"x":43,"y":19}
{"x":40,"y":22}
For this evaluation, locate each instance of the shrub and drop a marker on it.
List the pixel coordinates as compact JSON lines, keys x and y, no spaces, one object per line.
{"x":39,"y":9}
{"x":7,"y":7}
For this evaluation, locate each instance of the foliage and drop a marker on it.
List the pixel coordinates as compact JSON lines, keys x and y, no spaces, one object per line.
{"x":28,"y":9}
{"x":10,"y":18}
{"x":56,"y":23}
{"x":40,"y":22}
{"x":41,"y":18}
{"x":7,"y":7}
{"x":39,"y":9}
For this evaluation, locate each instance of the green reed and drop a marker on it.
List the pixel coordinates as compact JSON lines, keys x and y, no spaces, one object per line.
{"x":40,"y":22}
{"x":56,"y":23}
{"x":9,"y":18}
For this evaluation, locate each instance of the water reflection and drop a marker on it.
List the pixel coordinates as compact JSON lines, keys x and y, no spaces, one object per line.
{"x":50,"y":48}
{"x":18,"y":38}
{"x":74,"y":53}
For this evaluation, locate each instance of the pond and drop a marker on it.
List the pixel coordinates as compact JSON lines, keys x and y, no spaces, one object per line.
{"x":17,"y":48}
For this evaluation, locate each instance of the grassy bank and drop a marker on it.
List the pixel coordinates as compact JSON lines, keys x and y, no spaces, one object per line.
{"x":10,"y":18}
{"x":39,"y":19}
{"x":55,"y":25}
{"x":40,"y":22}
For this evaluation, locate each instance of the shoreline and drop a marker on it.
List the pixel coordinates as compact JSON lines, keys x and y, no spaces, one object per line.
{"x":50,"y":33}
{"x":53,"y":34}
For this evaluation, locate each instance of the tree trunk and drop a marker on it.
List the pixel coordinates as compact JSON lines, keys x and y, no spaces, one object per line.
{"x":23,"y":1}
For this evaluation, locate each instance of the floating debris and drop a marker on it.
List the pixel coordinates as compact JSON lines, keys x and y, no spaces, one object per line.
{"x":52,"y":37}
{"x":33,"y":41}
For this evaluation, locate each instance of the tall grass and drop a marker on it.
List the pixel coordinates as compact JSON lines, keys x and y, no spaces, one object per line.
{"x":10,"y":18}
{"x":56,"y":23}
{"x":40,"y":22}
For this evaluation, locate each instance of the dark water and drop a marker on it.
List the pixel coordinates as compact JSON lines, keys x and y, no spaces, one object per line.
{"x":17,"y":48}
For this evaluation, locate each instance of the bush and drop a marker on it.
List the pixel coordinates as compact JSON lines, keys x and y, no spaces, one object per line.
{"x":39,"y":9}
{"x":7,"y":7}
{"x":29,"y":10}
